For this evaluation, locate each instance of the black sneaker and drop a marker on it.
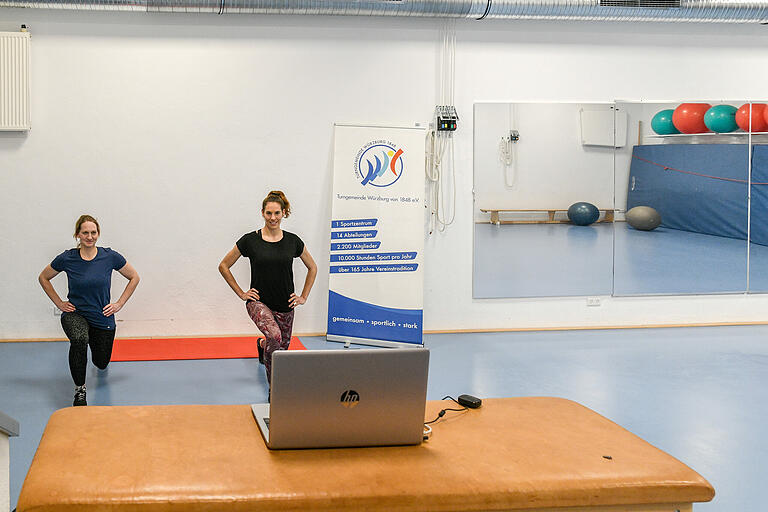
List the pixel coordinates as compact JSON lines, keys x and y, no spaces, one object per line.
{"x":261,"y":349}
{"x":79,"y":396}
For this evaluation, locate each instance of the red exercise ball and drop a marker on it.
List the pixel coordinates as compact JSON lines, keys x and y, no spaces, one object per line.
{"x":759,"y":121}
{"x":689,"y":117}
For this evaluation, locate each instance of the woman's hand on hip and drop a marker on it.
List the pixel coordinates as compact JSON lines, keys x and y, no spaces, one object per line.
{"x":296,"y":300}
{"x":252,"y":294}
{"x":66,"y":307}
{"x":112,"y":308}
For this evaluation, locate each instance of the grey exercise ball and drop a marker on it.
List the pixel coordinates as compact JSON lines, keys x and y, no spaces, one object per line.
{"x":643,"y":218}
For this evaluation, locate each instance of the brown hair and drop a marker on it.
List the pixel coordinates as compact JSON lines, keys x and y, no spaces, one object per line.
{"x":83,"y":219}
{"x":277,"y":196}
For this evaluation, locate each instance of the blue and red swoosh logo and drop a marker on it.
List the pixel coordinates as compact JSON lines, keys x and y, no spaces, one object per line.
{"x":384,"y":165}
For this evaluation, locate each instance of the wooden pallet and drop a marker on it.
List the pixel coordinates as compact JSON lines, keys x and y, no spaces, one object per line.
{"x":608,"y":217}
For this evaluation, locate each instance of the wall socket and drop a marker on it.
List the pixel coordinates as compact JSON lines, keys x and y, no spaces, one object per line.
{"x":56,"y":311}
{"x":593,"y":301}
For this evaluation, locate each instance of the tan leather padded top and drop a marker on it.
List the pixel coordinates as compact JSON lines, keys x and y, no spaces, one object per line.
{"x":512,"y":453}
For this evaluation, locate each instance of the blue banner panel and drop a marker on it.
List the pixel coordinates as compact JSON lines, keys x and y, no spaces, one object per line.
{"x":357,"y":319}
{"x":368,"y":233}
{"x":354,"y":223}
{"x":355,"y":246}
{"x":374,"y":256}
{"x":403,"y":267}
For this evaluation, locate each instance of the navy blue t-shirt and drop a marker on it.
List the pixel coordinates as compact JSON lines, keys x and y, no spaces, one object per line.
{"x":89,"y":282}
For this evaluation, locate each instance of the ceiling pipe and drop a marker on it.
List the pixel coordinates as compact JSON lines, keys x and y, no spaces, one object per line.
{"x":713,"y":11}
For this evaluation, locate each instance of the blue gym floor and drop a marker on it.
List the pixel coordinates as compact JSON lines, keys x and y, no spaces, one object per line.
{"x":542,"y":260}
{"x":698,"y":393}
{"x":671,"y":261}
{"x":558,"y":260}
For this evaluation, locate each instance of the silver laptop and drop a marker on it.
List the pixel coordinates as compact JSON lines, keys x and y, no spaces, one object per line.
{"x":347,"y":397}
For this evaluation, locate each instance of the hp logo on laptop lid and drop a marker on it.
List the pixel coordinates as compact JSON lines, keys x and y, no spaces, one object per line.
{"x":350,"y":398}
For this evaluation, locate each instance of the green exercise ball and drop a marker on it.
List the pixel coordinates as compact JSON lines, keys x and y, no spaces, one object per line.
{"x":721,"y":118}
{"x":662,"y":123}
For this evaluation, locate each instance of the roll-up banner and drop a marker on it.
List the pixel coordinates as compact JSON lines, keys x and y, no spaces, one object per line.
{"x":377,"y":236}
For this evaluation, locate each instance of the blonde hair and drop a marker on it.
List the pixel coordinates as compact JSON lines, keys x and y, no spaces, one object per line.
{"x":82,"y":220}
{"x":277,"y":196}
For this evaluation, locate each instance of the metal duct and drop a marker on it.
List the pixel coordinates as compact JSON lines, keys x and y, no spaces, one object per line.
{"x":727,"y":11}
{"x":724,"y":11}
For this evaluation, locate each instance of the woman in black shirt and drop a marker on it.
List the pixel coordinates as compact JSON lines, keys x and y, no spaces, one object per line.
{"x":270,"y":300}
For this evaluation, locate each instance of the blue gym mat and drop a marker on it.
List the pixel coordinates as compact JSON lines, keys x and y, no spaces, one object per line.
{"x":699,"y":187}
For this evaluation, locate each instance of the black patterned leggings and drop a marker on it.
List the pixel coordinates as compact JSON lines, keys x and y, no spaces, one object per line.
{"x":81,"y":336}
{"x":276,"y":327}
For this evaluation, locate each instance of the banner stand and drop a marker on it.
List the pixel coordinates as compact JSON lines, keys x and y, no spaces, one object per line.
{"x":375,"y":278}
{"x":347,"y":340}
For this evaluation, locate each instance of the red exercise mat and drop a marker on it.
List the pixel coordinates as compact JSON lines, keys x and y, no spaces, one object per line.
{"x":166,"y":349}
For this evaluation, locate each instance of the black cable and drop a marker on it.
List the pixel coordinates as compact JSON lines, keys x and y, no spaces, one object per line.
{"x":487,"y":10}
{"x":442,"y":413}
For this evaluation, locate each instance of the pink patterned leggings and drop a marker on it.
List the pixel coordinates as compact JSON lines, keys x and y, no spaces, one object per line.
{"x":276,"y":328}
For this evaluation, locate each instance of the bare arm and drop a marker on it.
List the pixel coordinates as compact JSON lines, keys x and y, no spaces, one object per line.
{"x":306,"y":258}
{"x":229,"y":260}
{"x":44,"y":279}
{"x":128,"y":272}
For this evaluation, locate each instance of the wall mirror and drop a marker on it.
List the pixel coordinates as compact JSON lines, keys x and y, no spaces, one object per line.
{"x":532,"y":161}
{"x":689,"y":161}
{"x":758,"y":212}
{"x":701,"y":166}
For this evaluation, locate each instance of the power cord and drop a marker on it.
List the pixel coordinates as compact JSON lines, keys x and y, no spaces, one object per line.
{"x":442,"y":412}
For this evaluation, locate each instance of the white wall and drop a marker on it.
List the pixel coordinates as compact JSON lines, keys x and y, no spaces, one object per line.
{"x":171,"y":128}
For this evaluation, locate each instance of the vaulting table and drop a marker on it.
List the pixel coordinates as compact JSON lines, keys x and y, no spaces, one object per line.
{"x":543,"y":454}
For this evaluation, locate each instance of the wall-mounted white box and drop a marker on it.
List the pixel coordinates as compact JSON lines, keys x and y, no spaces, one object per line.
{"x":604,"y":128}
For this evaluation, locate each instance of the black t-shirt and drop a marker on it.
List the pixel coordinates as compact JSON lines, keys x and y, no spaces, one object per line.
{"x":272,"y":266}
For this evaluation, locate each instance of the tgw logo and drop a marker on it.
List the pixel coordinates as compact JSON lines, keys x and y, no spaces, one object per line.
{"x":350,"y":398}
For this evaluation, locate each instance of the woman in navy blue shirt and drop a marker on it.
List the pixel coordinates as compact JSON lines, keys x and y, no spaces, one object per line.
{"x":88,"y":313}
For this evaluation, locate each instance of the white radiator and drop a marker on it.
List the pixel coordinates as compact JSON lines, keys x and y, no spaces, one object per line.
{"x":14,"y":81}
